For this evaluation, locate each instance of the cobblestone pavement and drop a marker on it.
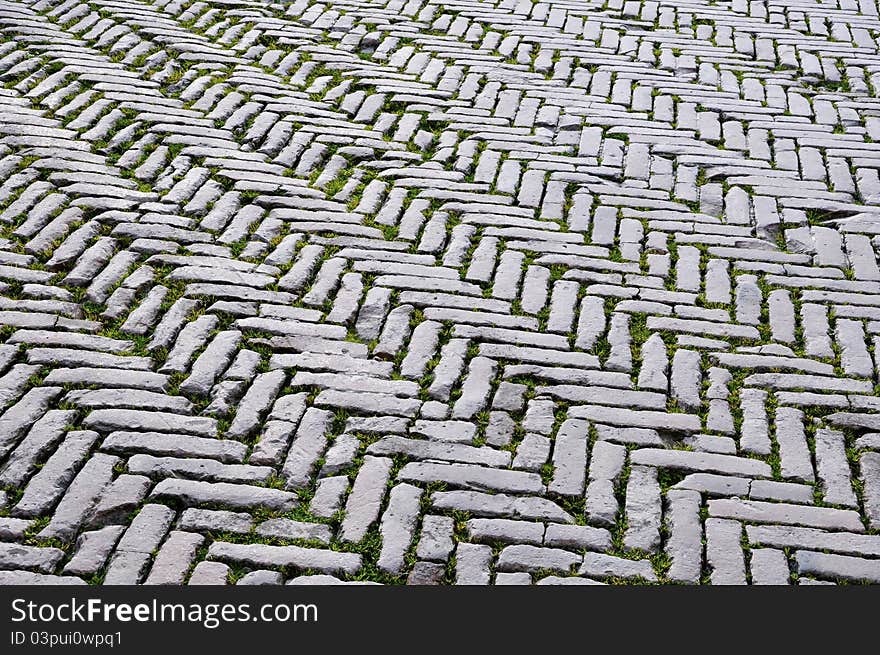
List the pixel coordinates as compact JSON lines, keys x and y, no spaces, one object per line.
{"x":427,"y":291}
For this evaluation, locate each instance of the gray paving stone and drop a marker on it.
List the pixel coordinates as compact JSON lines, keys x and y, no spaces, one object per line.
{"x":16,"y":420}
{"x":769,"y":567}
{"x":197,"y":469}
{"x":44,"y":435}
{"x":261,"y":578}
{"x":472,"y":564}
{"x":14,"y":529}
{"x":43,"y":560}
{"x":601,"y":565}
{"x":398,"y":526}
{"x":483,"y":504}
{"x":82,"y":494}
{"x":755,"y":433}
{"x":693,"y":461}
{"x":364,"y":502}
{"x":606,"y":465}
{"x":793,"y":451}
{"x":236,"y":496}
{"x":122,"y":497}
{"x":256,"y":402}
{"x":133,"y":398}
{"x":575,"y":537}
{"x":261,"y":555}
{"x":569,"y":459}
{"x":505,"y":531}
{"x":209,"y":573}
{"x":174,"y":445}
{"x":533,"y":558}
{"x":837,"y":566}
{"x":723,"y":552}
{"x":473,"y":477}
{"x":786,"y":491}
{"x":198,"y":520}
{"x":763,"y":512}
{"x":213,"y":360}
{"x":108,"y":420}
{"x":869,"y":466}
{"x":424,"y":449}
{"x":426,"y":573}
{"x":643,"y":509}
{"x":513,"y":579}
{"x":638,"y":419}
{"x":174,"y":558}
{"x":92,"y":550}
{"x":287,"y":529}
{"x":307,"y":446}
{"x":833,"y":468}
{"x":435,"y":542}
{"x":475,"y":388}
{"x":685,"y":535}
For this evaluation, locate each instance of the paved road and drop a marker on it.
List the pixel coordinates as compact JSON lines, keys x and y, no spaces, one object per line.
{"x":428,"y":292}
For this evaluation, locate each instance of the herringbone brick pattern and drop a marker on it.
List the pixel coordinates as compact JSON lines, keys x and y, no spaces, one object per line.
{"x":426,"y":291}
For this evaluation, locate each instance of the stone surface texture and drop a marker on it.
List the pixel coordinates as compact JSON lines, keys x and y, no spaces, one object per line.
{"x":434,"y":292}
